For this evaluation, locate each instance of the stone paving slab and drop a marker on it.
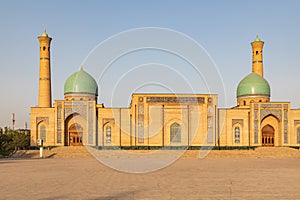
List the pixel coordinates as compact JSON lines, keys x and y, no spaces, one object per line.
{"x":83,"y":152}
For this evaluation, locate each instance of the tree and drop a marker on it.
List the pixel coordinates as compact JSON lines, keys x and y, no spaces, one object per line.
{"x":20,"y":140}
{"x":13,"y":140}
{"x":5,"y":141}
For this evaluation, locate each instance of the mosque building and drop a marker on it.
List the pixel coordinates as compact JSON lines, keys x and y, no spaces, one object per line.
{"x":161,"y":120}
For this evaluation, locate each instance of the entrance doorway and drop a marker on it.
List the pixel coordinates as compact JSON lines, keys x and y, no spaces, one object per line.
{"x":75,"y":135}
{"x":268,"y":136}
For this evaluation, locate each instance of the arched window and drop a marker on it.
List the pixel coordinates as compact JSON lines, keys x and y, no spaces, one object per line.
{"x":298,"y":135}
{"x":108,"y":134}
{"x":43,"y":133}
{"x":237,"y":133}
{"x":175,"y":133}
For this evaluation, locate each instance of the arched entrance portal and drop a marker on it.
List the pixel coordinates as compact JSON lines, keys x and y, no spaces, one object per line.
{"x":268,"y":135}
{"x":75,"y":135}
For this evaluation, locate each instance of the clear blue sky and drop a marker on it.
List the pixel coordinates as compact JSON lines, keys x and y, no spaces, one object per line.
{"x":224,"y":28}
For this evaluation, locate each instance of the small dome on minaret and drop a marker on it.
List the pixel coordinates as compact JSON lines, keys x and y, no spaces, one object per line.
{"x":45,"y":33}
{"x":257,"y":39}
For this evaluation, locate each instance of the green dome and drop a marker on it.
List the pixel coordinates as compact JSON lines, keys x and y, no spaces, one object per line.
{"x":81,"y":82}
{"x":253,"y":84}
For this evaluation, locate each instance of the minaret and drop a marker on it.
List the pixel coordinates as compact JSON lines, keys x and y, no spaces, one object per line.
{"x":45,"y":72}
{"x":257,"y":56}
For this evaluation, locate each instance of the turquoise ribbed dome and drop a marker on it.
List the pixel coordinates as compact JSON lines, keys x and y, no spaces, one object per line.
{"x":81,"y":82}
{"x":253,"y":84}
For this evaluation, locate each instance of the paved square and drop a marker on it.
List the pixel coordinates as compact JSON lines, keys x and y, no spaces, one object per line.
{"x":187,"y":178}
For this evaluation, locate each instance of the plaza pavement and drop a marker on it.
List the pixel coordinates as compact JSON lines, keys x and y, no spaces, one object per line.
{"x":213,"y":177}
